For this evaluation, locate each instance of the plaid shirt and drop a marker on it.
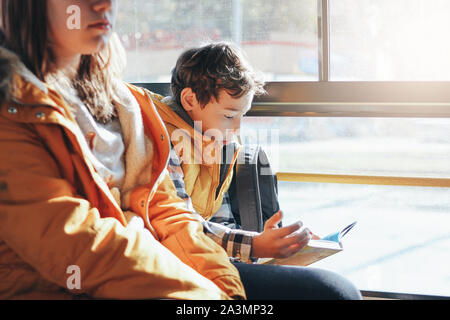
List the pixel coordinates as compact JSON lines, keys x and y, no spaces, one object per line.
{"x":222,"y":227}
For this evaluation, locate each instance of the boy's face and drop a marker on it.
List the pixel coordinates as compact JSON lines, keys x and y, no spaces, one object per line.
{"x":220,"y":118}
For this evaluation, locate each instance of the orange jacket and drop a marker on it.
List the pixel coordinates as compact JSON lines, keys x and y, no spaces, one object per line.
{"x":201,"y":177}
{"x":56,"y":211}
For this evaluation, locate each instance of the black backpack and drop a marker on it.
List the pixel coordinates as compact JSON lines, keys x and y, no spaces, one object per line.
{"x":253,"y":191}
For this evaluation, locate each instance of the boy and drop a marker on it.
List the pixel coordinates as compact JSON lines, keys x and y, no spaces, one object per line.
{"x":213,"y":87}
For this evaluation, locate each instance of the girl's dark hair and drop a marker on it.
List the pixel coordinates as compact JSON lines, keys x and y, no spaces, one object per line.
{"x":24,"y":28}
{"x":24,"y":31}
{"x":6,"y":72}
{"x":211,"y":68}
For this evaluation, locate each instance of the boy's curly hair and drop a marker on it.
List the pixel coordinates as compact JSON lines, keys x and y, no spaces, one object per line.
{"x":211,"y":68}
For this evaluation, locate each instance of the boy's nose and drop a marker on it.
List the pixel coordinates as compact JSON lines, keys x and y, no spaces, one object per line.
{"x":102,"y":5}
{"x":237,"y":124}
{"x":234,"y":131}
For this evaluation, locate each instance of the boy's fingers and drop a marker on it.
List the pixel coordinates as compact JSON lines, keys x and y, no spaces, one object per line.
{"x":287,"y":230}
{"x":315,"y":237}
{"x":273,"y":221}
{"x":297,"y":238}
{"x":295,"y":248}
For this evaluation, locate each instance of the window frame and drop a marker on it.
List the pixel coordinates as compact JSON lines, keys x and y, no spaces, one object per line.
{"x":349,"y":99}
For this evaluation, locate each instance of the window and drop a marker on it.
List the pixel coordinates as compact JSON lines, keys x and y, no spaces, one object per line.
{"x":401,"y":227}
{"x":156,"y":32}
{"x":401,"y":147}
{"x":400,"y":243}
{"x":389,"y":40}
{"x":359,"y":115}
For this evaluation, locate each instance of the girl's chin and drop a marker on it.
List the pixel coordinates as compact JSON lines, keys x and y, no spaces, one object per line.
{"x":98,"y":44}
{"x":103,"y":42}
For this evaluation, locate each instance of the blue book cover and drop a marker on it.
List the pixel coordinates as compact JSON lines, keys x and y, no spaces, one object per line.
{"x":315,"y":250}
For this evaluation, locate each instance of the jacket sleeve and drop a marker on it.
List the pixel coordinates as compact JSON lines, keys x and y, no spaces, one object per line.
{"x":222,"y":226}
{"x":50,"y":227}
{"x":181,"y":231}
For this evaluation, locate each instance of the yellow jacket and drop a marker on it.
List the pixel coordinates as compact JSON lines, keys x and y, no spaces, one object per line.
{"x":56,"y":212}
{"x":201,"y":166}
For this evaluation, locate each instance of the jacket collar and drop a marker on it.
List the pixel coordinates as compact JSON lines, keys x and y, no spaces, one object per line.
{"x":179,"y":110}
{"x":176,"y":117}
{"x":21,"y":70}
{"x":174,"y":114}
{"x":27,"y":89}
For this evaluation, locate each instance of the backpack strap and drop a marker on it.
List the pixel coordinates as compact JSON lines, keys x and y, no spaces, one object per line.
{"x":268,"y":188}
{"x":247,"y":188}
{"x":253,"y":191}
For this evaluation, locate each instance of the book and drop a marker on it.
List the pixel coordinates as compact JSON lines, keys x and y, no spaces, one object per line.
{"x":315,"y":250}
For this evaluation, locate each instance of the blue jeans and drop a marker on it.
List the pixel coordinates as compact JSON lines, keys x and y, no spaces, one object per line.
{"x":270,"y":282}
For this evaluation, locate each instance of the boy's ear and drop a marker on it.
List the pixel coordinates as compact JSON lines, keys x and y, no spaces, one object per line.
{"x":188,"y":99}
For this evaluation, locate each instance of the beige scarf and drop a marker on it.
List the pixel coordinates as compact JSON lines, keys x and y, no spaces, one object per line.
{"x":123,"y":154}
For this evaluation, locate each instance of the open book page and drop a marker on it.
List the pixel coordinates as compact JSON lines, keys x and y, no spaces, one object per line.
{"x":315,"y":250}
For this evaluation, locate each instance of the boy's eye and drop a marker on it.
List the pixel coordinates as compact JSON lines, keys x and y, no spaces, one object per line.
{"x":228,"y":117}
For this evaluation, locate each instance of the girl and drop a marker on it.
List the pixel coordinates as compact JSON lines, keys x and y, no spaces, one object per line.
{"x":86,"y":204}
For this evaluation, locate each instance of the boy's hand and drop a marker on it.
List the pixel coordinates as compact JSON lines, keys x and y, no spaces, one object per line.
{"x":283,"y":242}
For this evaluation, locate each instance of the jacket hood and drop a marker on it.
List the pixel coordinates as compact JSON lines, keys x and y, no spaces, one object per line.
{"x":6,"y":72}
{"x":174,"y":115}
{"x":10,"y":67}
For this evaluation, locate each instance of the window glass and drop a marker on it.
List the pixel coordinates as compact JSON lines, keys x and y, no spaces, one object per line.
{"x":401,"y":242}
{"x":400,"y":230}
{"x":358,"y":146}
{"x":398,"y":40}
{"x":279,"y":37}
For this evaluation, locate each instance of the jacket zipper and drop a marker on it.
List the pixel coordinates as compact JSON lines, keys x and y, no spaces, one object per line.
{"x":229,"y":169}
{"x":151,"y":192}
{"x":214,"y":193}
{"x":211,"y":195}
